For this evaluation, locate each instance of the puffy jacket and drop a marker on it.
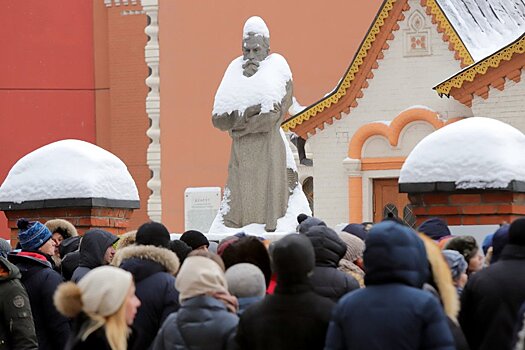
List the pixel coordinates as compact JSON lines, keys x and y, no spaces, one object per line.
{"x":150,"y":266}
{"x":41,"y":281}
{"x":392,"y":312}
{"x":92,"y":250}
{"x":17,"y":330}
{"x":491,"y":300}
{"x":329,"y":249}
{"x":202,"y":323}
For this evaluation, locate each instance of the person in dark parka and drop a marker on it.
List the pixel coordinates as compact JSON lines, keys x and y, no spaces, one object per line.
{"x":329,"y":249}
{"x":207,"y":317}
{"x":96,"y":249}
{"x":40,"y":282}
{"x":17,"y":329}
{"x":294,"y":317}
{"x":392,"y":312}
{"x":153,"y":267}
{"x":492,"y":297}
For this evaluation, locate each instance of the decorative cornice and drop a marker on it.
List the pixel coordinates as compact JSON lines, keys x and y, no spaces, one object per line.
{"x":481,"y":67}
{"x":449,"y":33}
{"x":350,"y":74}
{"x":110,"y":3}
{"x":152,"y":57}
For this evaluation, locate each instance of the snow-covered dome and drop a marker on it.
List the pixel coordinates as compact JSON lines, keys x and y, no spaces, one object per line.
{"x":473,"y":153}
{"x":68,"y":169}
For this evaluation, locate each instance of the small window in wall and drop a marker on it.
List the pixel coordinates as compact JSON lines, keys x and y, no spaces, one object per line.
{"x":308,"y":189}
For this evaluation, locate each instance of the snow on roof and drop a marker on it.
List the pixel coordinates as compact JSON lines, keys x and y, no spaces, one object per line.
{"x":485,"y":26}
{"x":68,"y":169}
{"x":266,"y":87}
{"x":257,"y":26}
{"x":473,"y":153}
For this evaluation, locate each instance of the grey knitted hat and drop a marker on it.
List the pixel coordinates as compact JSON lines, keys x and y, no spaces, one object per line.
{"x":246,"y":280}
{"x":5,"y":247}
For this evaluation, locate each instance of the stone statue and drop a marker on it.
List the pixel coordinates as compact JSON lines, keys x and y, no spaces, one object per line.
{"x":251,"y":103}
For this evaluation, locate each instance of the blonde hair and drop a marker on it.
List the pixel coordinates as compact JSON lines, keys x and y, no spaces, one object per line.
{"x":68,"y":300}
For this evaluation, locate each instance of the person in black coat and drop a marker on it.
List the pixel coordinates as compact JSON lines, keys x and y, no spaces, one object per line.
{"x":492,"y":297}
{"x":392,"y":312}
{"x":40,"y":281}
{"x":329,"y":249}
{"x":153,"y":268}
{"x":96,"y":249}
{"x":17,"y":329}
{"x":294,"y":317}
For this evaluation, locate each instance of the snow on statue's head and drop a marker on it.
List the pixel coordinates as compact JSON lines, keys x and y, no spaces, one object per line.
{"x":255,"y":44}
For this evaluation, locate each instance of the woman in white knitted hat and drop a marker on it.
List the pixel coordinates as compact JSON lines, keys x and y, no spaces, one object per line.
{"x":103,"y":305}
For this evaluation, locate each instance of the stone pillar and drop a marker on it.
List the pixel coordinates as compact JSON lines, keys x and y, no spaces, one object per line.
{"x":466,"y":207}
{"x":84,"y":213}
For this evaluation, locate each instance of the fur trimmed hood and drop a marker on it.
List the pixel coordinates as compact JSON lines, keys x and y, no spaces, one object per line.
{"x":162,"y":256}
{"x":127,"y":239}
{"x":64,"y":227}
{"x":441,"y":278}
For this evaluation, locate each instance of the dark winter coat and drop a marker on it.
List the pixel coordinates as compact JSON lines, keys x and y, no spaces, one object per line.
{"x":392,"y":312}
{"x":41,"y":281}
{"x":291,"y":318}
{"x":153,"y":269}
{"x":245,"y":303}
{"x":294,"y":317}
{"x":329,"y":249}
{"x":491,"y":300}
{"x":92,"y":250}
{"x":17,"y":330}
{"x":95,"y":341}
{"x":202,"y":323}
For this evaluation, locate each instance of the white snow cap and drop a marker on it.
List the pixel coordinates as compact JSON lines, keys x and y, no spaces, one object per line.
{"x":473,"y":153}
{"x":257,"y":26}
{"x":266,"y":87}
{"x":68,"y":169}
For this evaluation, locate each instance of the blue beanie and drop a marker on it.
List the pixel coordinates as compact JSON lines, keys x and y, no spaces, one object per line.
{"x":487,"y":243}
{"x":456,"y":262}
{"x":499,"y":241}
{"x":434,"y":228}
{"x":32,"y":235}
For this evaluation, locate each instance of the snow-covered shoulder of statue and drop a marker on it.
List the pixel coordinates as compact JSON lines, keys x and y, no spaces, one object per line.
{"x":266,"y":87}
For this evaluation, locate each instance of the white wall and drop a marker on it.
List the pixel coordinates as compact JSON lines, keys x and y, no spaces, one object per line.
{"x":507,"y":105}
{"x":398,"y":83}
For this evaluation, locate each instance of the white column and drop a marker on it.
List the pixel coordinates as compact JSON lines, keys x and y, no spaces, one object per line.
{"x":151,"y":7}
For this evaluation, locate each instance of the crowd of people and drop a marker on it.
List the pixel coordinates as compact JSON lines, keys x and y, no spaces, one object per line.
{"x":380,"y":286}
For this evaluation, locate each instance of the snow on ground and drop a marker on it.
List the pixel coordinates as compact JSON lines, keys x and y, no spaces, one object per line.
{"x":474,"y":153}
{"x":297,"y":204}
{"x":266,"y":87}
{"x":485,"y":26}
{"x":68,"y":169}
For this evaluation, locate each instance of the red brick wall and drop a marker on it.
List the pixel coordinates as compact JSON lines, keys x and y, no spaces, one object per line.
{"x":482,"y":208}
{"x":114,"y":220}
{"x":122,"y":128}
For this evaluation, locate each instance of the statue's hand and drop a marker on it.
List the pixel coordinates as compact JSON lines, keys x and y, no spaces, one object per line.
{"x":277,"y":107}
{"x":252,"y":110}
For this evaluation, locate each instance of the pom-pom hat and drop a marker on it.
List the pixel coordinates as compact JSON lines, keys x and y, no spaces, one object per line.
{"x":32,"y":234}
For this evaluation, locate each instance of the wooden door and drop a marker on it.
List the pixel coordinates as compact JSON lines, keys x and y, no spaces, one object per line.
{"x":389,"y":202}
